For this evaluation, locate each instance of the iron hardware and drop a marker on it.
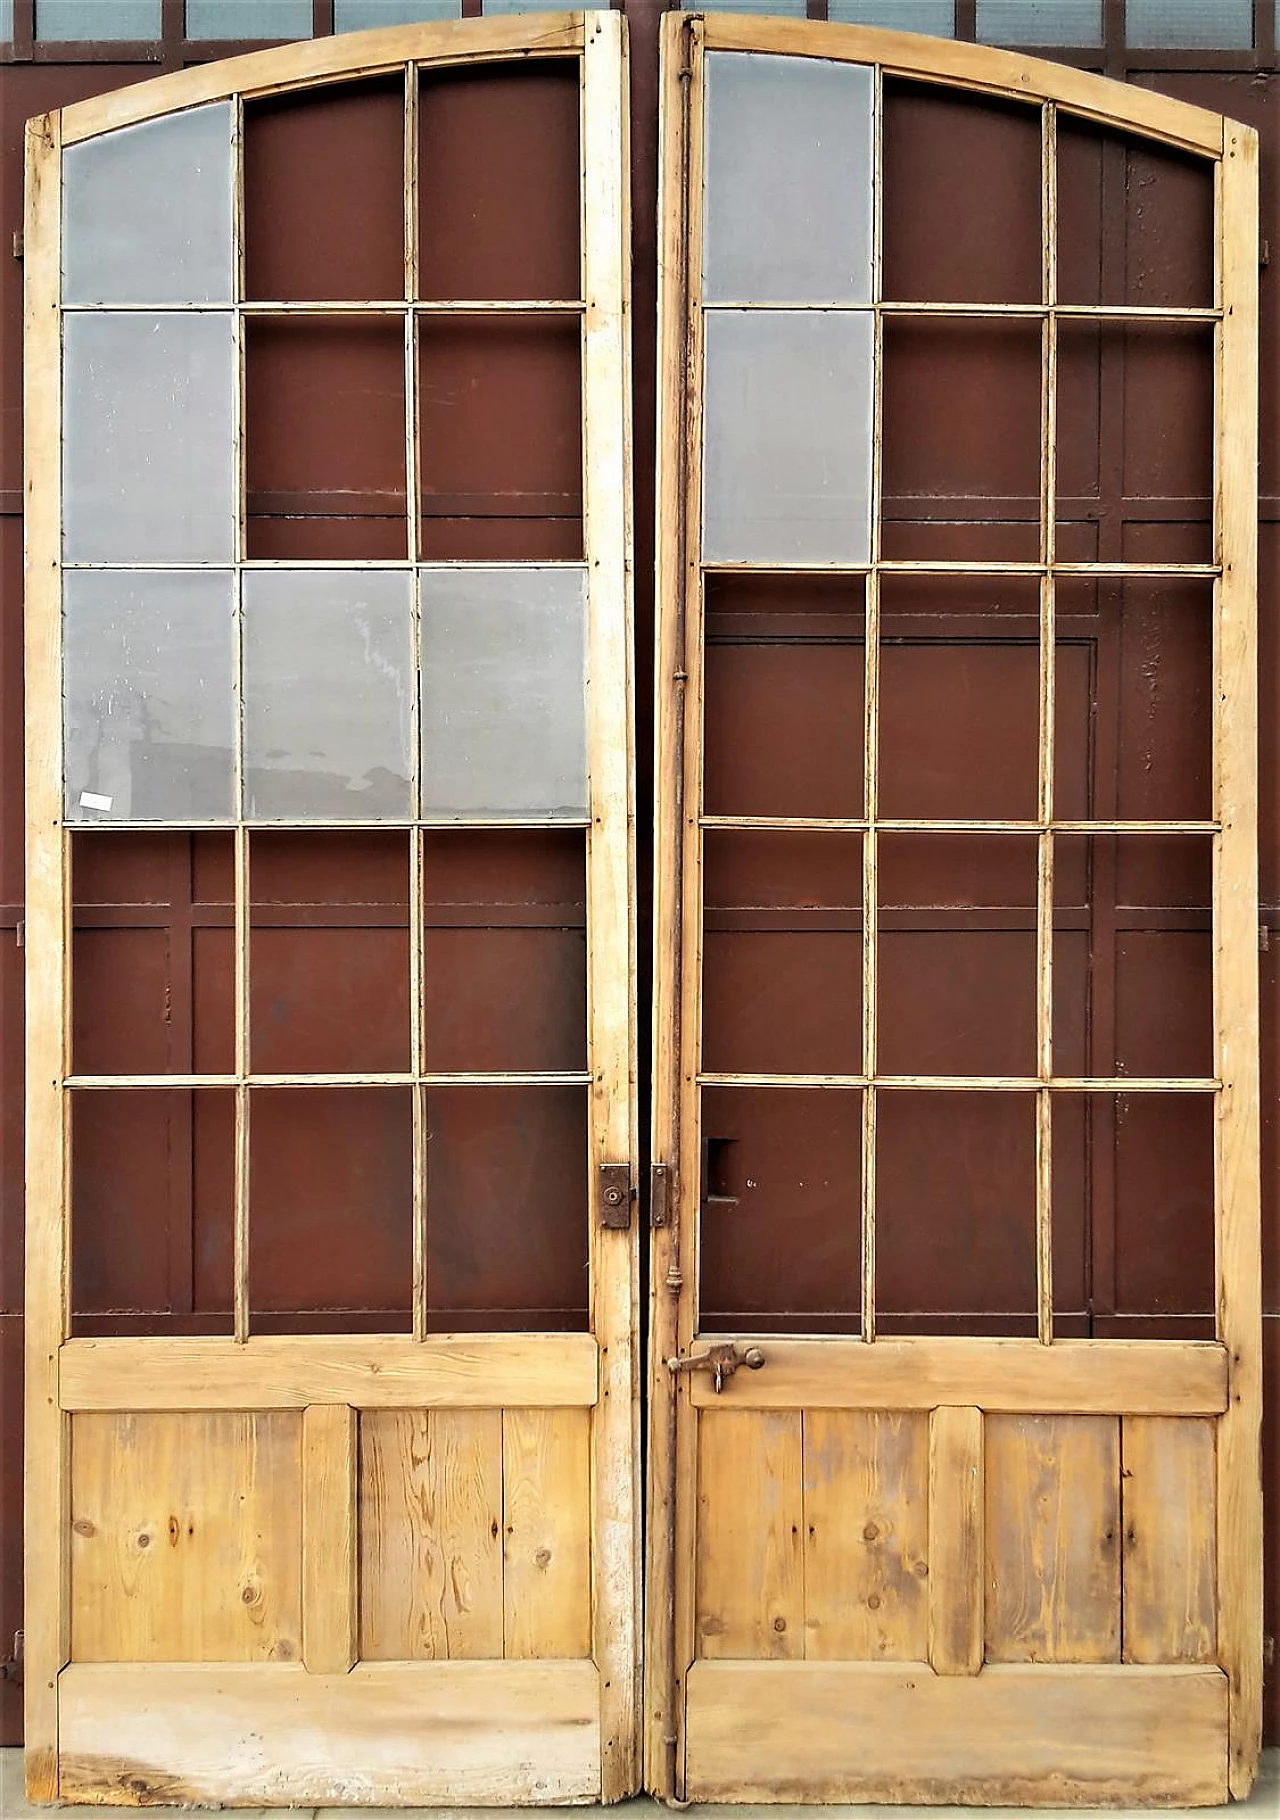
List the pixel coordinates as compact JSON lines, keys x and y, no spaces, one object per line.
{"x":721,"y":1361}
{"x":659,"y":1194}
{"x":615,"y":1195}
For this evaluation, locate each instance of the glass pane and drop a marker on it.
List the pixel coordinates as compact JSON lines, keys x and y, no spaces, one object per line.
{"x":544,"y":6}
{"x":249,"y":18}
{"x":795,"y":9}
{"x":148,"y":696}
{"x":788,"y":190}
{"x":328,"y":692}
{"x":146,"y":212}
{"x":355,"y":15}
{"x":935,"y":16}
{"x":117,"y":19}
{"x":504,"y":693}
{"x":1035,"y":22}
{"x":148,"y":438}
{"x":788,"y":437}
{"x":6,"y":19}
{"x":1193,"y":24}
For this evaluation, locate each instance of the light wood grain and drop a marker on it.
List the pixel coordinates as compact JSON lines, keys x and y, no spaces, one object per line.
{"x":430,"y":1534}
{"x":956,"y":1551}
{"x":329,"y":1582}
{"x":750,"y":1563}
{"x":546,"y":1503}
{"x":1052,"y":1539}
{"x":866,"y":1536}
{"x":369,"y":1371}
{"x":1168,"y":1515}
{"x":884,"y":1732}
{"x":1143,"y":1377}
{"x":460,"y":1734}
{"x":186,"y":1538}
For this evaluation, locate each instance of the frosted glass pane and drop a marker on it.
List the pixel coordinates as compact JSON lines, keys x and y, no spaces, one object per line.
{"x":788,"y":436}
{"x":249,"y":18}
{"x":789,"y":161}
{"x":61,"y":20}
{"x":328,"y":694}
{"x":504,"y":693}
{"x":147,"y":438}
{"x":1040,"y":21}
{"x":146,"y":212}
{"x":937,"y":17}
{"x":355,"y":15}
{"x":1220,"y":25}
{"x":148,"y":691}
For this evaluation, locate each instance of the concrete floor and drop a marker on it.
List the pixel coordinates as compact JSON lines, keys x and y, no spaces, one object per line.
{"x":1264,"y":1800}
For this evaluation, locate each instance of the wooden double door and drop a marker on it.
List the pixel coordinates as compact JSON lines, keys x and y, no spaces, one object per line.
{"x":333,"y":1387}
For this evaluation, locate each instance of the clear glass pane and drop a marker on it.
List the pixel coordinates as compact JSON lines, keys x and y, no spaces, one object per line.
{"x":935,"y":16}
{"x":146,"y":212}
{"x":60,"y":20}
{"x":788,"y":193}
{"x":1035,"y":22}
{"x":6,"y":19}
{"x":795,"y":9}
{"x":504,"y":693}
{"x":545,"y":6}
{"x":148,"y":696}
{"x":249,"y":18}
{"x":355,"y":15}
{"x":788,"y":437}
{"x":328,"y":692}
{"x":1191,"y":24}
{"x":148,"y":438}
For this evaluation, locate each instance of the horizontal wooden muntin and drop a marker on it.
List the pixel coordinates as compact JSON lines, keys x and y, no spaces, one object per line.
{"x":367,"y":1371}
{"x":924,"y":825}
{"x":939,"y":566}
{"x":972,"y":1083}
{"x":94,"y":1083}
{"x":1068,"y":1377}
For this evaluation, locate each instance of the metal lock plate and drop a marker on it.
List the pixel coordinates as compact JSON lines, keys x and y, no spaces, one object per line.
{"x":614,"y":1195}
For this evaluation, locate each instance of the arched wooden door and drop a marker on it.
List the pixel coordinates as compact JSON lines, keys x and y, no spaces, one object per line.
{"x":331,"y":1492}
{"x":955,"y":1369}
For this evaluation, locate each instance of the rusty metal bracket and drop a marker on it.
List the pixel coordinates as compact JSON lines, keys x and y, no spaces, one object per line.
{"x":721,"y":1360}
{"x":614,"y":1195}
{"x":660,"y":1194}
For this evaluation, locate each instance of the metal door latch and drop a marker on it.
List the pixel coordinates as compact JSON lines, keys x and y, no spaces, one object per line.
{"x":721,"y":1361}
{"x":615,"y":1195}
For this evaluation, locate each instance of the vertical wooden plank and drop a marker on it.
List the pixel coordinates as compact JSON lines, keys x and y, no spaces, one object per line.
{"x":956,"y":1550}
{"x":1235,"y":923}
{"x":750,"y":1564}
{"x":1052,"y":1538}
{"x":615,"y":1507}
{"x":866,"y":1536}
{"x":329,"y":1586}
{"x":46,"y":1620}
{"x":1167,"y":1506}
{"x":430,"y":1534}
{"x":186,"y":1537}
{"x":546,"y":1522}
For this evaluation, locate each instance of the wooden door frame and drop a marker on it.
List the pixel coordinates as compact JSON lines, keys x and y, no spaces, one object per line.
{"x":600,"y":1369}
{"x":914,"y":1373}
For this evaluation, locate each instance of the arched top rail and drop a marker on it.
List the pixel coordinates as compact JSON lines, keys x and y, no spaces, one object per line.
{"x":344,"y":57}
{"x":977,"y":67}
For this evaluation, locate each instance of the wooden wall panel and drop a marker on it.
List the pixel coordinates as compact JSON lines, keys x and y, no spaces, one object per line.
{"x":1170,"y":1554}
{"x":956,"y":1564}
{"x":186,"y":1537}
{"x":430,"y":1524}
{"x":546,"y":1498}
{"x":750,"y":1556}
{"x":1053,"y":1539}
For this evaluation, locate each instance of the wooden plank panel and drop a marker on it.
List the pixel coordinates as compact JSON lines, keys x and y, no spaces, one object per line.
{"x":449,"y":1733}
{"x":186,"y":1541}
{"x":430,"y":1534}
{"x":369,"y":1371}
{"x":546,"y":1526}
{"x":1085,"y":1377}
{"x":1169,"y":1527}
{"x":877,"y":1731}
{"x":750,"y":1553}
{"x":1052,"y":1539}
{"x":866,"y":1536}
{"x":328,"y":1538}
{"x":956,"y":1552}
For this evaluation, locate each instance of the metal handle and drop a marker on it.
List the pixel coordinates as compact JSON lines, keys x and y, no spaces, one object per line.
{"x":721,"y":1360}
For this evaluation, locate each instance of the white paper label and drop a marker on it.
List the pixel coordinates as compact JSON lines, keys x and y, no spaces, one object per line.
{"x":90,"y":800}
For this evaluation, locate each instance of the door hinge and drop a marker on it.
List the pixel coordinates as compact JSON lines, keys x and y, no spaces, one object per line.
{"x":660,"y":1194}
{"x":721,"y":1361}
{"x":614,"y":1195}
{"x":12,"y":1669}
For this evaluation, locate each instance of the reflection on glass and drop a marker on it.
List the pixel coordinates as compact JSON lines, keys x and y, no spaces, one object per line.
{"x":937,"y":17}
{"x":1220,"y":25}
{"x":328,"y":692}
{"x":249,"y":18}
{"x":148,"y":696}
{"x":1032,"y":22}
{"x":788,"y":436}
{"x":146,"y":212}
{"x":147,"y":438}
{"x":58,"y":21}
{"x":504,"y":693}
{"x":788,"y":188}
